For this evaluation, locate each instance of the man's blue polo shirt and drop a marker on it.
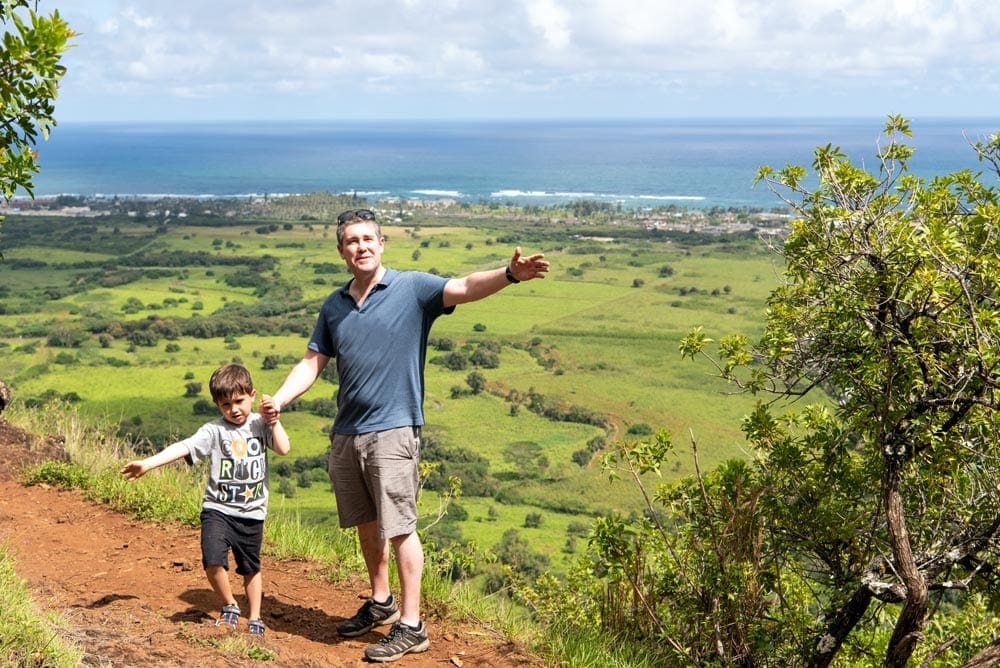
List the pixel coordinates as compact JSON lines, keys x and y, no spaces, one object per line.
{"x":380,"y":349}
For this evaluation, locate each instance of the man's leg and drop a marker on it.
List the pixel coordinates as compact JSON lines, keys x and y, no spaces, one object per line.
{"x":376,"y":553}
{"x":410,"y":563}
{"x":376,"y":611}
{"x":408,"y":634}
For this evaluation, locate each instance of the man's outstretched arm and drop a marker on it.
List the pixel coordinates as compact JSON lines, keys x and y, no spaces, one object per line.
{"x":480,"y":284}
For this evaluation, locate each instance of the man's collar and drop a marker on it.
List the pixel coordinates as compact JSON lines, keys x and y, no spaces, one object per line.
{"x":387,"y":277}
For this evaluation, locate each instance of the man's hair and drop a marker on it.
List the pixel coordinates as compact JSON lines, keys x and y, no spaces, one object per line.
{"x":352,"y":216}
{"x":230,"y":380}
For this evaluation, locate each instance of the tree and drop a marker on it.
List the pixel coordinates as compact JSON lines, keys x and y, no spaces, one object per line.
{"x":890,"y":306}
{"x":485,"y":358}
{"x":868,"y":505}
{"x":456,"y":361}
{"x":30,"y":71}
{"x":476,"y":382}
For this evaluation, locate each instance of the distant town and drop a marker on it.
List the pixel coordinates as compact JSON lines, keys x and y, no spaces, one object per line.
{"x":318,"y":207}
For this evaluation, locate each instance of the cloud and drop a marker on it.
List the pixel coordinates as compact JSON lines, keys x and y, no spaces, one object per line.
{"x":552,"y":20}
{"x":144,"y":50}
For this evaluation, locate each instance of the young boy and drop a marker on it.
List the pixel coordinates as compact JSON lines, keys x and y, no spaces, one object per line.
{"x":235,"y":501}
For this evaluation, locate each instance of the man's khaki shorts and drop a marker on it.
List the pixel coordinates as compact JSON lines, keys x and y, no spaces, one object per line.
{"x":376,"y":476}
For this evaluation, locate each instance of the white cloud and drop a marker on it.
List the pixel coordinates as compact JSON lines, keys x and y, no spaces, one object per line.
{"x":454,"y":57}
{"x":552,"y":20}
{"x":136,"y":19}
{"x":109,"y":27}
{"x":138,"y":53}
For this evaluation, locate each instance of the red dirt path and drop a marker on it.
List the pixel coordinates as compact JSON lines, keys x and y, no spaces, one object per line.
{"x":134,"y":593}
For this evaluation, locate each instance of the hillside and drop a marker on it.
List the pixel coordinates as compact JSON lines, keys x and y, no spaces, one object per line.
{"x":563,"y":367}
{"x":134,"y":594}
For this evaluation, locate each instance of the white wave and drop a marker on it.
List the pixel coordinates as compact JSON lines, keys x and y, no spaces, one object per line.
{"x":202,"y":196}
{"x":687,"y":198}
{"x":540,"y":193}
{"x":439,"y":193}
{"x":592,"y":195}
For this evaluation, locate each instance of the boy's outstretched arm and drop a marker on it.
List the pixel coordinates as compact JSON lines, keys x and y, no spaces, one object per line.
{"x":140,"y":467}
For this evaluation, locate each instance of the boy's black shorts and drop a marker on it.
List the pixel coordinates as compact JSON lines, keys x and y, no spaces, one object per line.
{"x":221,"y":533}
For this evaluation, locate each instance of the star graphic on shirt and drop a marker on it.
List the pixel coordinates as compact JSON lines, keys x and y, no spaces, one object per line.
{"x":247,"y":494}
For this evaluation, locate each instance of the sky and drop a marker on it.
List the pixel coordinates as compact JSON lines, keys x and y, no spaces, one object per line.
{"x":231,"y":60}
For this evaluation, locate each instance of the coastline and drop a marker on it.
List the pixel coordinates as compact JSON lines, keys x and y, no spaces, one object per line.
{"x":637,"y":164}
{"x":202,"y":210}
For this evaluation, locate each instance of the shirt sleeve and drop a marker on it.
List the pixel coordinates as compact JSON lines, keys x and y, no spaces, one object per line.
{"x":321,"y":340}
{"x":200,"y":444}
{"x":429,"y":289}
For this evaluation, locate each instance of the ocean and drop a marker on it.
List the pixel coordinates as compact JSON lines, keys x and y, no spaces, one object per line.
{"x":692,"y":163}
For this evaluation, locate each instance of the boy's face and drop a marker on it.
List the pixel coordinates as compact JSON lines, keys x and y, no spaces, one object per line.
{"x":236,"y":409}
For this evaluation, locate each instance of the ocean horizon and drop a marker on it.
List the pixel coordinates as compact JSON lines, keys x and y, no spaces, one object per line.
{"x":636,"y":163}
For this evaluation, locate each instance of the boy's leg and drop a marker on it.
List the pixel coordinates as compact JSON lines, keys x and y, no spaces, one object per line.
{"x":218,"y":577}
{"x":255,"y":592}
{"x":215,"y":553}
{"x":246,"y":541}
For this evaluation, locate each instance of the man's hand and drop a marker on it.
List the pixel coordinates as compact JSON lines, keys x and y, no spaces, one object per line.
{"x":527,"y":268}
{"x":269,"y":409}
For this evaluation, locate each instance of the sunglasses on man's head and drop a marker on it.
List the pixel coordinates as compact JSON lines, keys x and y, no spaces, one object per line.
{"x":355,"y":215}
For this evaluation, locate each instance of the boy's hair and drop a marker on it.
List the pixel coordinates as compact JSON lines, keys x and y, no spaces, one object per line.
{"x":229,"y":380}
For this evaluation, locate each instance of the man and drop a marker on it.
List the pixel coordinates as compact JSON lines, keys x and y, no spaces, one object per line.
{"x":376,"y":326}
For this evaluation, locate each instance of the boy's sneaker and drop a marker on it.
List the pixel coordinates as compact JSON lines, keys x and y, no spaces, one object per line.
{"x":230,"y":615}
{"x":368,"y":616}
{"x":401,"y":639}
{"x":256,"y":627}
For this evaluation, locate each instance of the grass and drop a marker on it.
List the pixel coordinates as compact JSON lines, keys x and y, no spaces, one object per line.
{"x":232,"y":644}
{"x":29,"y":636}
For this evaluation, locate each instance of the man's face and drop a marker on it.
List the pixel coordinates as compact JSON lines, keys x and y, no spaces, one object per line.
{"x":362,"y":247}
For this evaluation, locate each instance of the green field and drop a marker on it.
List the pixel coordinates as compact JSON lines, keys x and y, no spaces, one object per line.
{"x":599,"y":334}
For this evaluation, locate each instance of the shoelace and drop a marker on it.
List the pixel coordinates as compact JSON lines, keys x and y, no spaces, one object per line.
{"x":390,"y":637}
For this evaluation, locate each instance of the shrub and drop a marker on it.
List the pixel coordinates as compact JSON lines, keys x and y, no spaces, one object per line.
{"x":487,"y":359}
{"x":204,"y":407}
{"x":640,"y":429}
{"x":456,"y":361}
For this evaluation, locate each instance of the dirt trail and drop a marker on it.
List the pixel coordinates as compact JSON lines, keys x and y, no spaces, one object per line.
{"x":134,"y":593}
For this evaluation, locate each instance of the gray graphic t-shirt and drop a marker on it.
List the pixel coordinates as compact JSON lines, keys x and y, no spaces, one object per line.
{"x":237,"y":478}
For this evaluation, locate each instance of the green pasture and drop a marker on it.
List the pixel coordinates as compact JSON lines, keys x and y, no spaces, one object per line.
{"x":29,"y":284}
{"x":57,"y":255}
{"x":605,"y":325}
{"x":485,"y":523}
{"x":488,"y":520}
